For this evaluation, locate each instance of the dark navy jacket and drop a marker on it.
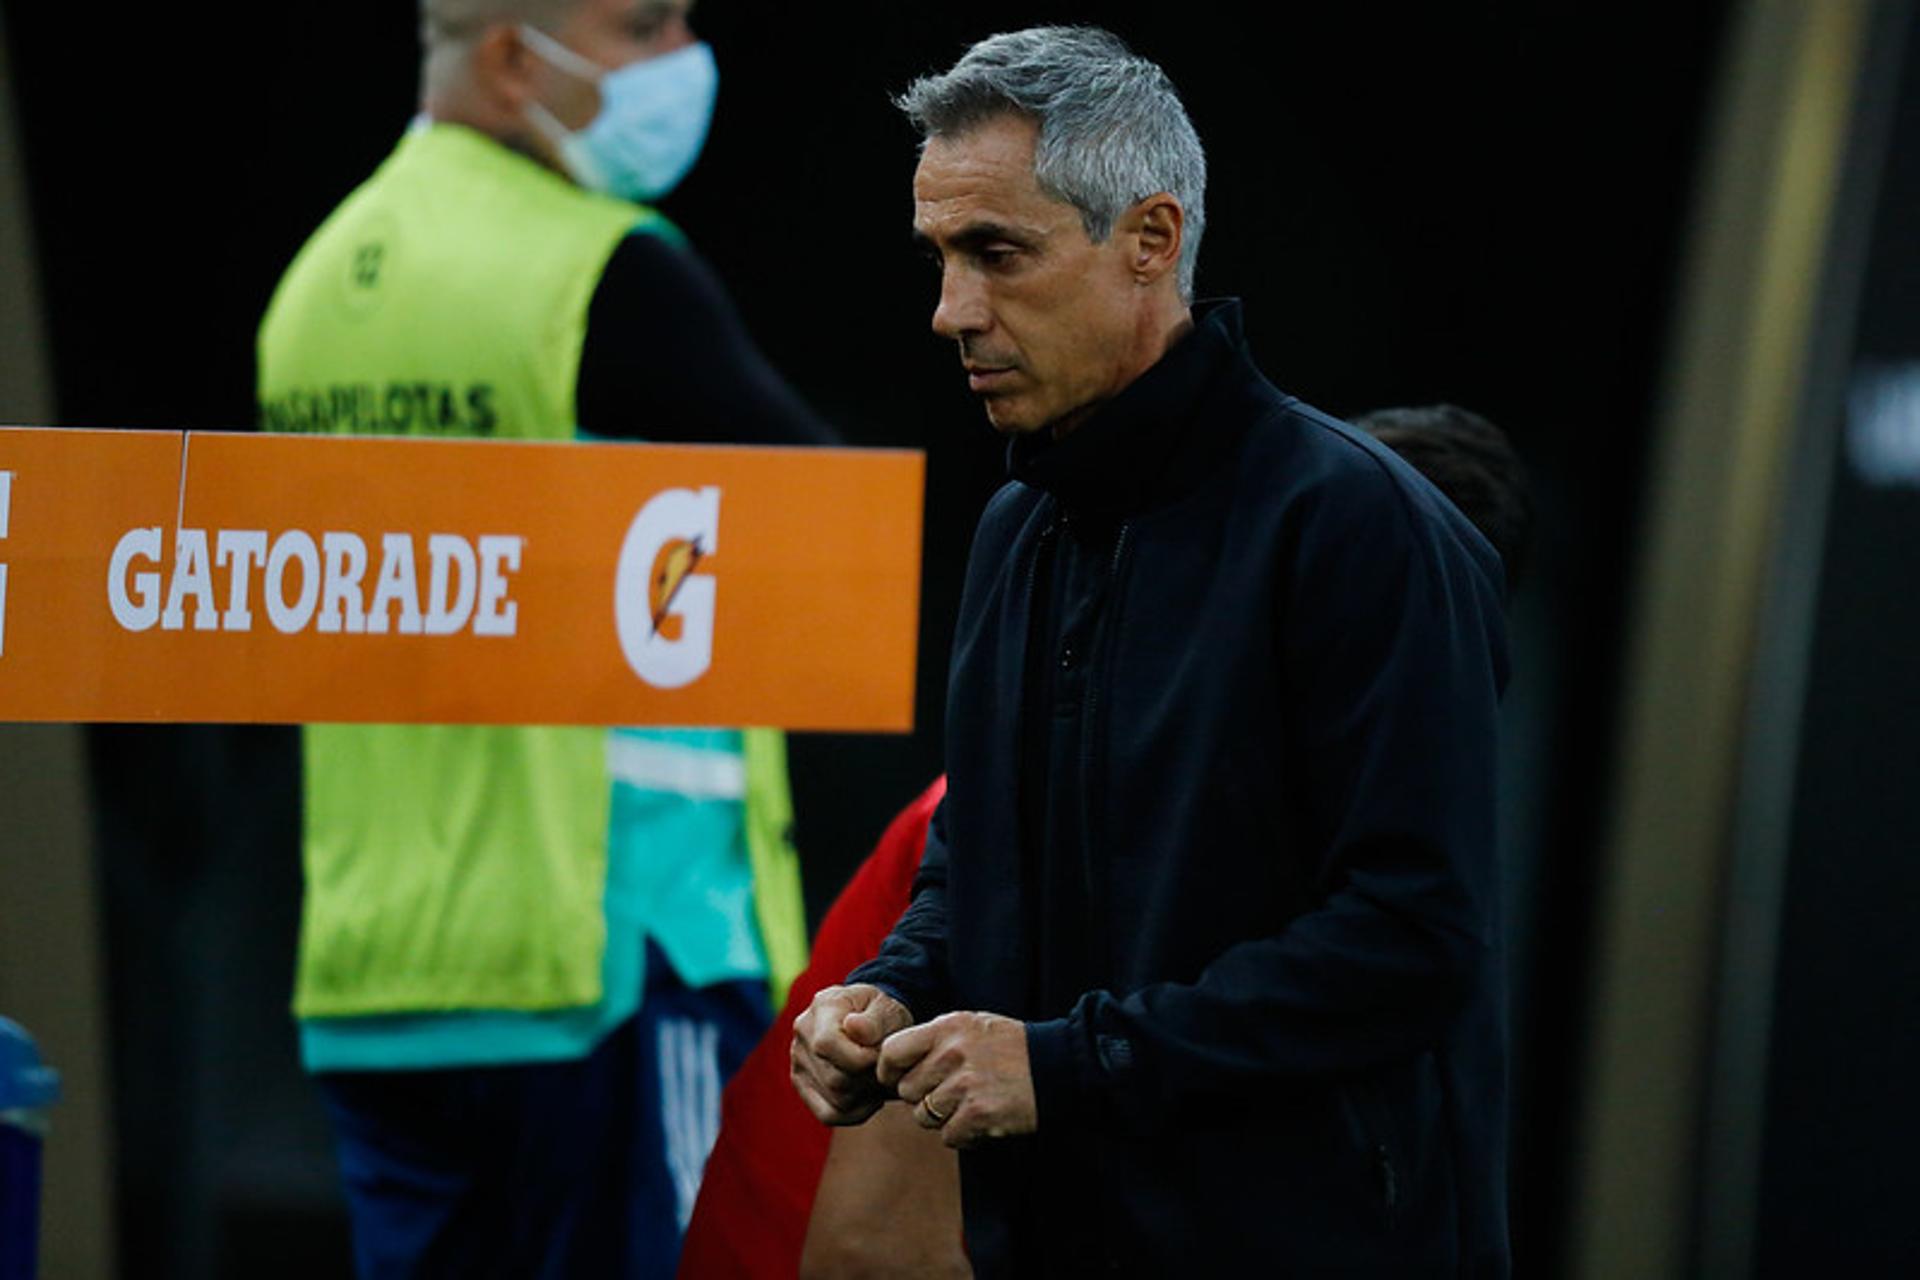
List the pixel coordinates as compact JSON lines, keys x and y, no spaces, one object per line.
{"x":1220,"y":828}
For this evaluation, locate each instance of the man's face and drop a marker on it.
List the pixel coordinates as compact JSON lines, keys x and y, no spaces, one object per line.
{"x":1047,"y":321}
{"x":612,"y":33}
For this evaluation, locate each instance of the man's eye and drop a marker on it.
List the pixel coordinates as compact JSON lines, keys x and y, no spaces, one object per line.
{"x":998,"y":256}
{"x":650,"y":20}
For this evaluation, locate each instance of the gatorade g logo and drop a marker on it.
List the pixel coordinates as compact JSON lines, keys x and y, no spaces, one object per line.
{"x":662,"y":604}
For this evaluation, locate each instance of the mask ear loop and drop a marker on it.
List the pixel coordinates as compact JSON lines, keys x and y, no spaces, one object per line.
{"x":560,"y":57}
{"x":564,"y":141}
{"x":548,"y":124}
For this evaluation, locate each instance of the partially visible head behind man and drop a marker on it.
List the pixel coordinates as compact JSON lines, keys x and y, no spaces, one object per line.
{"x":1473,"y":463}
{"x":1112,"y":127}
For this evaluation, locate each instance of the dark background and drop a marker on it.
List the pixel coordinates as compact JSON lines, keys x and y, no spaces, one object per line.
{"x":1478,"y":202}
{"x":1841,"y":1121}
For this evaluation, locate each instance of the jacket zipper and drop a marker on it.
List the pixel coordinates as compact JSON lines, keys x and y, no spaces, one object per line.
{"x":1093,"y":793}
{"x":1033,"y":565}
{"x":1021,"y":780}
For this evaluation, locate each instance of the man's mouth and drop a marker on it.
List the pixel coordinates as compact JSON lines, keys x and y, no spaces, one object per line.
{"x":987,"y":377}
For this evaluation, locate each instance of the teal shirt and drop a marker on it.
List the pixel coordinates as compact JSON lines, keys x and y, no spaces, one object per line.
{"x":684,"y":791}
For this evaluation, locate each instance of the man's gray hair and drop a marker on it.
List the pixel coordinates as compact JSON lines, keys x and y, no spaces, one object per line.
{"x":1112,"y":129}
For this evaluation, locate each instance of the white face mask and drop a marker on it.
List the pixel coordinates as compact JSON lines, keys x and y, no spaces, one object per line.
{"x":653,"y":119}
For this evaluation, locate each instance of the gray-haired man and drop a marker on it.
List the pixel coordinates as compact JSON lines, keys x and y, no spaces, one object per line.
{"x":1202,"y":970}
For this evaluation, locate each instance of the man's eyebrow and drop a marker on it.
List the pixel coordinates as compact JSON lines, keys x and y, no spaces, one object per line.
{"x":976,"y":236}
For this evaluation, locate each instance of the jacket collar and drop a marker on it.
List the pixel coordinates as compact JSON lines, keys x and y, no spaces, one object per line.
{"x":1128,"y":451}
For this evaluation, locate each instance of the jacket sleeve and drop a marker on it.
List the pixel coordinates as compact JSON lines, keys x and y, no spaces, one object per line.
{"x":912,"y":964}
{"x":1391,"y":658}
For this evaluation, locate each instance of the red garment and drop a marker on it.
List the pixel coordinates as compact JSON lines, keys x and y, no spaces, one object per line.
{"x":757,"y":1193}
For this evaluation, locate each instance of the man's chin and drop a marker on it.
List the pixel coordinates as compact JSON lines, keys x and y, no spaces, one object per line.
{"x":1007,"y":417}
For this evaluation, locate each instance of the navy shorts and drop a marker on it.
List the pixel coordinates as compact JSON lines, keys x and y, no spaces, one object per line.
{"x":586,"y":1168}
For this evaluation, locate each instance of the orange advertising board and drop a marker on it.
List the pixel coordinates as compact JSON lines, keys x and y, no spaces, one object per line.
{"x":166,"y":576}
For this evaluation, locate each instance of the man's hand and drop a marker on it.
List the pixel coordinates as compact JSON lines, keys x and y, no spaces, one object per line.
{"x":836,"y":1044}
{"x":965,"y":1074}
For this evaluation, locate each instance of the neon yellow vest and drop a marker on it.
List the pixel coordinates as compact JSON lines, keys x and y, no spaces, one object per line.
{"x":458,"y":867}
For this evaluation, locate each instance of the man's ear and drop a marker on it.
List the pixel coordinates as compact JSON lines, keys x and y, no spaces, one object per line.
{"x":1153,"y":230}
{"x":504,"y":69}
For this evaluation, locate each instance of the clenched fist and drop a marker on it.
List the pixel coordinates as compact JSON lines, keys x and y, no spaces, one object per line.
{"x":966,"y":1074}
{"x":836,"y":1046}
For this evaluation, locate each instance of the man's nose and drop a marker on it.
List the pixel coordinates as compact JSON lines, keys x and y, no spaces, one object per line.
{"x":962,"y":309}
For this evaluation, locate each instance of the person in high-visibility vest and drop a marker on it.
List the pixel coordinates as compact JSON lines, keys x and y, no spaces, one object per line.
{"x":530,"y":957}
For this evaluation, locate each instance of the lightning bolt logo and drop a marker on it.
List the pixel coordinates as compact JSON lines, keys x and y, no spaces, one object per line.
{"x":674,"y":561}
